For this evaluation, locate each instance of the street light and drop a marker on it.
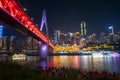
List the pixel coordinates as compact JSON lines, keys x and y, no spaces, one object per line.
{"x":111,"y":28}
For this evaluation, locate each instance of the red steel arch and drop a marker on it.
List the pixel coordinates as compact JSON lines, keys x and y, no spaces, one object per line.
{"x":15,"y":10}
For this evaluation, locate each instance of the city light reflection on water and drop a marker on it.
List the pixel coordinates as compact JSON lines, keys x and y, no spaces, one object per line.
{"x":110,"y":63}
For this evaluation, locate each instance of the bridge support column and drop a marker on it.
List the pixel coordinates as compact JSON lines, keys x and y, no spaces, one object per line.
{"x":43,"y":50}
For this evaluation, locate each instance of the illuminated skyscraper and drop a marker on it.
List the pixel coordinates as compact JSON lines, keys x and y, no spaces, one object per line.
{"x":35,"y":44}
{"x":11,"y":42}
{"x":5,"y":43}
{"x":29,"y":43}
{"x":1,"y":31}
{"x":119,"y":35}
{"x":111,"y":30}
{"x":111,"y":38}
{"x":56,"y":36}
{"x":115,"y":37}
{"x":83,"y":28}
{"x":102,"y":37}
{"x":1,"y":39}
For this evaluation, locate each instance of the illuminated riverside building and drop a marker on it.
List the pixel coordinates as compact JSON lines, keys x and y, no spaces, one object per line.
{"x":1,"y":42}
{"x":32,"y":44}
{"x":119,"y":35}
{"x":1,"y":39}
{"x":111,"y":38}
{"x":1,"y":31}
{"x":35,"y":44}
{"x":56,"y":36}
{"x":102,"y":37}
{"x":92,"y":37}
{"x":63,"y":38}
{"x":67,"y":48}
{"x":11,"y":43}
{"x":116,"y":37}
{"x":69,"y":38}
{"x":29,"y":43}
{"x":4,"y":43}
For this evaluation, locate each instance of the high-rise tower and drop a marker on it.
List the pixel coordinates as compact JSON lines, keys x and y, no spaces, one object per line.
{"x":83,"y":28}
{"x":119,"y":35}
{"x":56,"y":36}
{"x":1,"y":33}
{"x":11,"y":42}
{"x":5,"y":43}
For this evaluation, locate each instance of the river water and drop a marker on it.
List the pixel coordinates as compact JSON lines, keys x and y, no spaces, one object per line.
{"x":110,"y":63}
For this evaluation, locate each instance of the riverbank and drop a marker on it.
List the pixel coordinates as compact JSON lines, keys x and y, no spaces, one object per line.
{"x":84,"y":53}
{"x":57,"y":54}
{"x":13,"y":71}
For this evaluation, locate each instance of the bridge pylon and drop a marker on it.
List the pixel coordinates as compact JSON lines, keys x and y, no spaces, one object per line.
{"x":44,"y":46}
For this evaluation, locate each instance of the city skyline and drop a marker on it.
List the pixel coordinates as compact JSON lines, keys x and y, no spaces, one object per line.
{"x":67,"y":15}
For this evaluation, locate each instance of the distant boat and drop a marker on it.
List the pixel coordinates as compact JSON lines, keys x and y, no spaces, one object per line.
{"x":19,"y":57}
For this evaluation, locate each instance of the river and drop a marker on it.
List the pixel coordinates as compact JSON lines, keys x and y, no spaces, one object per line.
{"x":110,"y":63}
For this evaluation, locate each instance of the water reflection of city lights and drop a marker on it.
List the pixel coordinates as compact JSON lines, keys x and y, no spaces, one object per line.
{"x":76,"y":61}
{"x":97,"y":54}
{"x":114,"y":54}
{"x":85,"y":62}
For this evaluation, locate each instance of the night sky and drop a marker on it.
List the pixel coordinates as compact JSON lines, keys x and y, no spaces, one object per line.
{"x":66,"y":15}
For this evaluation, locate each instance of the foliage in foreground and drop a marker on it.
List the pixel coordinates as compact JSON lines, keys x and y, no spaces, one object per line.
{"x":13,"y":71}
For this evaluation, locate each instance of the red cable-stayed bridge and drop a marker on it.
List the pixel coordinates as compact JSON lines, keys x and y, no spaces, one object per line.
{"x":12,"y":13}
